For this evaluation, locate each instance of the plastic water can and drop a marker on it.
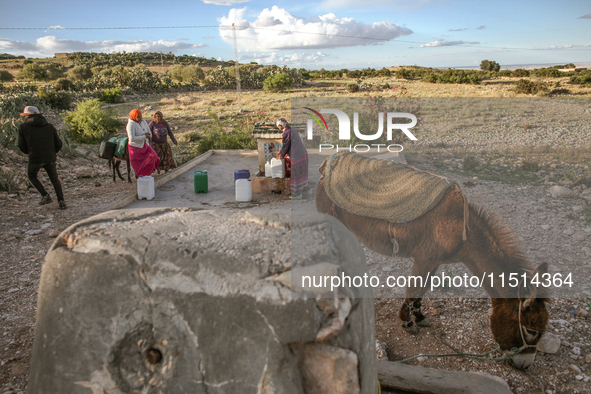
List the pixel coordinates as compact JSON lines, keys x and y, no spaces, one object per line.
{"x":241,"y":174}
{"x":268,"y":169}
{"x":145,"y":188}
{"x":200,"y":181}
{"x":243,"y":190}
{"x":277,"y":168}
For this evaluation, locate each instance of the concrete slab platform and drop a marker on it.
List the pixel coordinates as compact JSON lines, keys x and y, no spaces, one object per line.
{"x":177,"y":190}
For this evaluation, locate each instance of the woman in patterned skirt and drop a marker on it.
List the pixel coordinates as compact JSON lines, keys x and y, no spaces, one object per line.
{"x":160,"y":131}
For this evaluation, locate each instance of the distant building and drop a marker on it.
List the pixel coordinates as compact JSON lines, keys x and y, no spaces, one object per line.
{"x":576,"y":69}
{"x":58,"y":55}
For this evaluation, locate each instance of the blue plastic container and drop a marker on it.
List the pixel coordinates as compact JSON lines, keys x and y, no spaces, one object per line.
{"x":241,"y":174}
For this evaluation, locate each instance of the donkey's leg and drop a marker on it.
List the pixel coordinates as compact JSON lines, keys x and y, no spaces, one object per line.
{"x":420,"y":319}
{"x":128,"y":168}
{"x":119,"y":170}
{"x":113,"y":164}
{"x":414,"y":296}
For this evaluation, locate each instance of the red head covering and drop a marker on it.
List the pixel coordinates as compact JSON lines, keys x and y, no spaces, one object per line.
{"x":134,"y":114}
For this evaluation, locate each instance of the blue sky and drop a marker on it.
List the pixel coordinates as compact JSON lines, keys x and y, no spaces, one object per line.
{"x":332,"y":34}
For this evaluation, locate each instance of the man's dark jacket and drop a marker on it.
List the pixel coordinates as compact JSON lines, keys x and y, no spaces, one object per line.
{"x":39,"y":139}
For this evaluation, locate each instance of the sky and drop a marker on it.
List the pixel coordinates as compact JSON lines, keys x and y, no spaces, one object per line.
{"x":330,"y":34}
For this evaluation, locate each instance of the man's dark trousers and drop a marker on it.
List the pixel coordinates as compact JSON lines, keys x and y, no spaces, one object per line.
{"x":50,"y":168}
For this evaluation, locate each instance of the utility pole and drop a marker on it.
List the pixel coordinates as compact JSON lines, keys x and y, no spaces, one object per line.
{"x":237,"y":68}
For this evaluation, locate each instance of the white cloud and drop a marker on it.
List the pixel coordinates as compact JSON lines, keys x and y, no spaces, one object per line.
{"x":279,"y":30}
{"x":224,"y":2}
{"x":443,"y":43}
{"x":295,"y":59}
{"x":481,"y":27}
{"x":208,"y":37}
{"x":10,"y":45}
{"x":56,"y":27}
{"x":48,"y":45}
{"x":588,"y":16}
{"x":465,"y":28}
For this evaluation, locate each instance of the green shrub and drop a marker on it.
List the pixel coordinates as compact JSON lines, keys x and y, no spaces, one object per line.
{"x":548,"y":72}
{"x":54,"y":71}
{"x":526,"y":86}
{"x":56,"y":100}
{"x":520,"y":73}
{"x":27,"y":61}
{"x":584,"y":77}
{"x":32,"y":71}
{"x":191,"y":73}
{"x":9,"y":132}
{"x":352,"y":87}
{"x":277,"y":83}
{"x":63,"y":84}
{"x":80,"y":73}
{"x":470,"y":163}
{"x":88,"y":123}
{"x":403,"y":73}
{"x":228,"y":135}
{"x":192,"y":136}
{"x":5,"y":76}
{"x":11,"y":105}
{"x":112,"y":96}
{"x":176,"y":73}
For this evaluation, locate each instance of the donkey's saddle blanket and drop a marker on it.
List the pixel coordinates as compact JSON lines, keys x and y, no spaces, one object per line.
{"x":380,"y":189}
{"x":121,"y":145}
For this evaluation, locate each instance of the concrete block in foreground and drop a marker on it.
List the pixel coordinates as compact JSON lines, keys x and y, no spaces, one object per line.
{"x":174,"y":301}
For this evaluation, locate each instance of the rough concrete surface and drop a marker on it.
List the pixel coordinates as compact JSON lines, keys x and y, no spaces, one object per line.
{"x":178,"y":300}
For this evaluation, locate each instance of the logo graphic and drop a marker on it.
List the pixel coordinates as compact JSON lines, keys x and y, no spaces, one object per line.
{"x":345,"y":124}
{"x":309,"y":124}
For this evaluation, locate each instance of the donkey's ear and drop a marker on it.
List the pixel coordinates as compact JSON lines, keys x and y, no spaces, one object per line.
{"x":542,"y":268}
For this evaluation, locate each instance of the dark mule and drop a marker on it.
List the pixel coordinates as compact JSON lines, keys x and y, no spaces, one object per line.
{"x":115,"y":162}
{"x":435,"y":238}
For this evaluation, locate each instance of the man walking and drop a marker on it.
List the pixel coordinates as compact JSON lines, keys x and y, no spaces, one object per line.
{"x":39,"y":139}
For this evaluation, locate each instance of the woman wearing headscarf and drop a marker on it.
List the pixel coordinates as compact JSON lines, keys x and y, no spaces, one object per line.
{"x":142,"y":157}
{"x":293,"y":147}
{"x":160,"y":131}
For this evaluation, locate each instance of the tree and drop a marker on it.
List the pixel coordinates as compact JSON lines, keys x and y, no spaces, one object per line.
{"x":80,"y":73}
{"x":54,"y":71}
{"x":277,"y":83}
{"x":192,"y":73}
{"x":32,"y":71}
{"x":489,"y":65}
{"x":5,"y":76}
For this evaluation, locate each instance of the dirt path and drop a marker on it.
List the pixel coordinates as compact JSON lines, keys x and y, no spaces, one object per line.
{"x":27,"y":232}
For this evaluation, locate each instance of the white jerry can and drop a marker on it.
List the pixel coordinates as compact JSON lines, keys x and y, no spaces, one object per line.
{"x":277,"y":168}
{"x":243,"y":190}
{"x":145,"y":188}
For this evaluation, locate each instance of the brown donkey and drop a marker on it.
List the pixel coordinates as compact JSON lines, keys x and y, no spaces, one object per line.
{"x":115,"y":162}
{"x":435,"y":238}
